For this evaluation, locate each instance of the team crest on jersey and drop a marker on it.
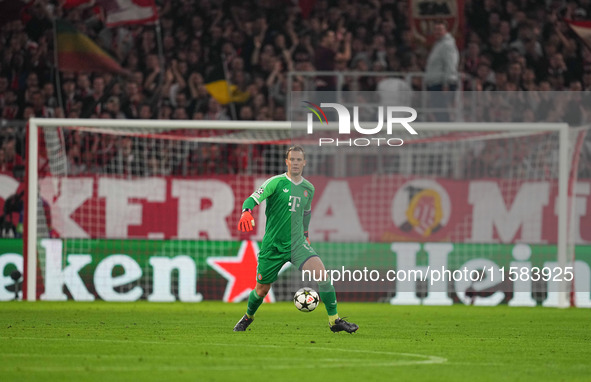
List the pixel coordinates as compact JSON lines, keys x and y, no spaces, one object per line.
{"x":306,"y":193}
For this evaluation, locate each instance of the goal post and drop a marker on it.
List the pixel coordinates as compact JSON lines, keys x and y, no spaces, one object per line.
{"x":36,"y":125}
{"x":104,"y":206}
{"x":30,"y":221}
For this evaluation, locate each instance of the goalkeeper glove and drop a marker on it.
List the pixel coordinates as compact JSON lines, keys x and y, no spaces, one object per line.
{"x":307,"y":238}
{"x":246,"y":221}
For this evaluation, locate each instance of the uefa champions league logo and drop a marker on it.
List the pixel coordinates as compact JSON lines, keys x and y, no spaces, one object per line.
{"x":392,"y":114}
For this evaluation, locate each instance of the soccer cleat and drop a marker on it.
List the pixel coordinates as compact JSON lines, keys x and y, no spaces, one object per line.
{"x":243,"y":324}
{"x":340,"y":324}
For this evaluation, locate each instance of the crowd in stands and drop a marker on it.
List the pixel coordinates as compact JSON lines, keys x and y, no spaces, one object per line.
{"x":510,"y":45}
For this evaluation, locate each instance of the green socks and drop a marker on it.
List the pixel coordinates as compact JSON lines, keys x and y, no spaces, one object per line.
{"x":254,"y":301}
{"x":328,"y":296}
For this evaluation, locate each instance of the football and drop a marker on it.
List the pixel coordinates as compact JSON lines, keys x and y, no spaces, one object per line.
{"x":306,"y":299}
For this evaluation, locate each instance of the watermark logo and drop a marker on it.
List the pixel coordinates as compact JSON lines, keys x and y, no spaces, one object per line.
{"x":388,"y":116}
{"x":315,"y":111}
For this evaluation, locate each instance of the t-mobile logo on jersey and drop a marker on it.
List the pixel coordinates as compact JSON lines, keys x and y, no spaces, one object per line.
{"x":344,"y":118}
{"x":294,"y":202}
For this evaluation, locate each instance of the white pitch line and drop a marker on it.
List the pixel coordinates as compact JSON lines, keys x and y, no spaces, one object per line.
{"x":162,"y":342}
{"x":435,"y":359}
{"x":425,"y":359}
{"x":160,"y":368}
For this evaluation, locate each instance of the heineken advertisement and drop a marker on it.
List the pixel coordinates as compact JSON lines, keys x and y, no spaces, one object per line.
{"x":404,"y":273}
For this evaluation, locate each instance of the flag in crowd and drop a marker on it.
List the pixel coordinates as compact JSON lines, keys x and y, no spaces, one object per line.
{"x":120,"y":12}
{"x":77,"y":52}
{"x":582,"y":29}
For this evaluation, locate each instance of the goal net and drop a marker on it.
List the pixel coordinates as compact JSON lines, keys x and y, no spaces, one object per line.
{"x":124,"y":210}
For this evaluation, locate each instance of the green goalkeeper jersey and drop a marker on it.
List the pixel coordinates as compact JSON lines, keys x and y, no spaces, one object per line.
{"x":287,"y":203}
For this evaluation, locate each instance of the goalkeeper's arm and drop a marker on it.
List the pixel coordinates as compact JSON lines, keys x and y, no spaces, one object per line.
{"x":307,"y":218}
{"x":246,"y":220}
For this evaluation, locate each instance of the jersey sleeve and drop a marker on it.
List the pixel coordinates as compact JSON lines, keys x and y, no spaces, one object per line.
{"x":308,"y":211}
{"x":265,"y":190}
{"x":308,"y":206}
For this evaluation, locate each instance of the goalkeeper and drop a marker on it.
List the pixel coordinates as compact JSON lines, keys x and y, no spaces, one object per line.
{"x":289,"y":200}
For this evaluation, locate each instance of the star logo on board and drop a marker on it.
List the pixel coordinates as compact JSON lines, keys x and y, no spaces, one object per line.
{"x":241,"y":272}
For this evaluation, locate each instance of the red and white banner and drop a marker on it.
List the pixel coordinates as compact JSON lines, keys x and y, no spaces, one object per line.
{"x":424,"y":13}
{"x":120,"y":12}
{"x":358,"y":209}
{"x":581,"y":29}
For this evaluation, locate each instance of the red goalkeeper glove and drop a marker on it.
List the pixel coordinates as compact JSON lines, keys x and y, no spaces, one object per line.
{"x":246,"y":221}
{"x":307,"y":238}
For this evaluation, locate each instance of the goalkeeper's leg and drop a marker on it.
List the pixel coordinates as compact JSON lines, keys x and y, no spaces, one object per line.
{"x":325,"y":288}
{"x":255,"y":299}
{"x":328,"y":295}
{"x":269,"y":264}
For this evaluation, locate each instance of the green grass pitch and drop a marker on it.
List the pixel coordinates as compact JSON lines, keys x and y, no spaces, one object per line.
{"x":99,"y":341}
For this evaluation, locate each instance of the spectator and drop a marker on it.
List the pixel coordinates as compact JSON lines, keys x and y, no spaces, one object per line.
{"x":441,"y":72}
{"x":471,"y":59}
{"x":514,"y":73}
{"x":39,"y":108}
{"x":587,"y":81}
{"x":3,"y":90}
{"x":246,"y":113}
{"x":113,"y":107}
{"x":180,"y":113}
{"x":154,"y":166}
{"x":83,"y":86}
{"x":214,"y":162}
{"x":146,"y":111}
{"x":154,"y":71}
{"x":71,"y":100}
{"x":497,"y":52}
{"x":485,"y":79}
{"x":132,"y":99}
{"x":28,"y":112}
{"x":3,"y":163}
{"x":126,"y":161}
{"x":526,"y":36}
{"x":165,"y":110}
{"x":12,"y":158}
{"x":75,"y":165}
{"x":557,"y":72}
{"x":11,"y":108}
{"x":10,"y":220}
{"x":327,"y":53}
{"x":528,"y":80}
{"x":49,"y":95}
{"x":215,"y":111}
{"x":93,"y":104}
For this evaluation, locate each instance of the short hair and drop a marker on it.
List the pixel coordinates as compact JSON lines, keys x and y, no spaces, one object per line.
{"x":295,"y":148}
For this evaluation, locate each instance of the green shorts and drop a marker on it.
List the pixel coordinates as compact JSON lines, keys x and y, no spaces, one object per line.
{"x":270,"y":261}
